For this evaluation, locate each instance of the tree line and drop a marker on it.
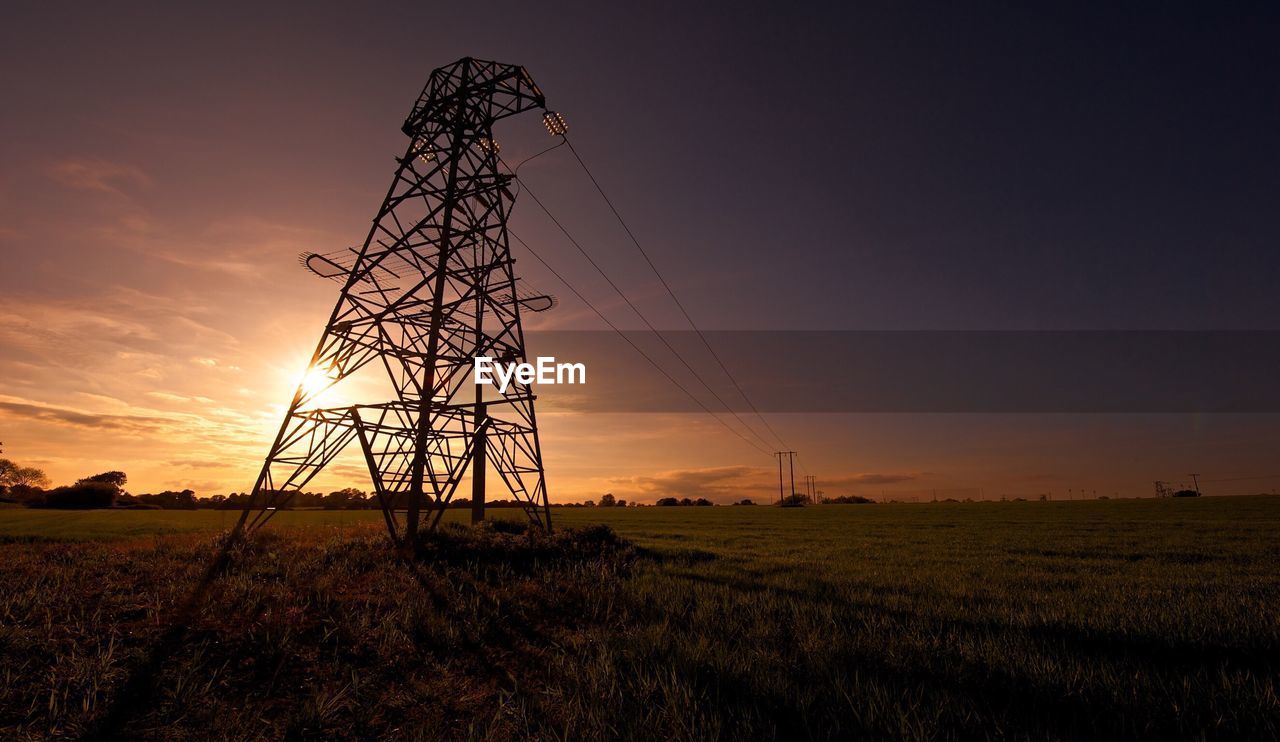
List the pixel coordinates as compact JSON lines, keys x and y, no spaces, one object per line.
{"x":29,"y":486}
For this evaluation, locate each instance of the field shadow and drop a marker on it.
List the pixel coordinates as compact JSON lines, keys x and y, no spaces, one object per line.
{"x":493,"y":603}
{"x":682,"y":556}
{"x":1074,"y":640}
{"x":1021,"y":702}
{"x":141,"y":682}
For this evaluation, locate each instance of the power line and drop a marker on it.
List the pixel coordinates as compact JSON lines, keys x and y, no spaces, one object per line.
{"x":803,"y":468}
{"x":1242,"y":479}
{"x":637,"y":348}
{"x":564,"y":230}
{"x":670,"y":291}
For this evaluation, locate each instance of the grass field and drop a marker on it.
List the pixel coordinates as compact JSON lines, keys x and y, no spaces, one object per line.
{"x":1117,"y":619}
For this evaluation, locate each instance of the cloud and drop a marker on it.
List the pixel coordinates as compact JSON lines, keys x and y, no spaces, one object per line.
{"x":246,"y":248}
{"x":359,"y":475}
{"x":197,"y":464}
{"x":77,"y":418}
{"x":857,"y":479}
{"x":731,"y":483}
{"x":180,"y":398}
{"x":92,"y":174}
{"x":715,"y":483}
{"x":200,"y":488}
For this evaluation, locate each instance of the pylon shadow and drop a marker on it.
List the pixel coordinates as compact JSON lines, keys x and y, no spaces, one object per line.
{"x":141,"y":683}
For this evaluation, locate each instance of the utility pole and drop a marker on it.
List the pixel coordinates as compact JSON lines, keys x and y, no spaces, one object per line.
{"x":791,"y":458}
{"x":1195,"y":479}
{"x":779,"y":454}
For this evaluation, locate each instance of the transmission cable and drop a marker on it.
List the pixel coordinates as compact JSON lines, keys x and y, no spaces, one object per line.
{"x":670,"y":291}
{"x":564,"y":230}
{"x":515,"y":172}
{"x":1242,"y":479}
{"x":637,"y":348}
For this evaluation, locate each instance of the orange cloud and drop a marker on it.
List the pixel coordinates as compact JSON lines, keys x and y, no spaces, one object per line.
{"x":93,"y":174}
{"x":66,"y":416}
{"x":722,"y":483}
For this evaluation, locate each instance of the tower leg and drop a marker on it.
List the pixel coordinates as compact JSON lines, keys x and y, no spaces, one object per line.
{"x":415,"y":490}
{"x":306,"y":443}
{"x":478,"y":466}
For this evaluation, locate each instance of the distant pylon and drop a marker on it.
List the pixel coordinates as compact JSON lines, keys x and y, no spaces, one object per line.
{"x":432,"y":288}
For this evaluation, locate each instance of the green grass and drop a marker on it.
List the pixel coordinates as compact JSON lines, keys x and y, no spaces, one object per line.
{"x":1086,"y":620}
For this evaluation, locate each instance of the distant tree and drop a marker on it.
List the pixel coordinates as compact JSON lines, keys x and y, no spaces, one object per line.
{"x":12,"y":475}
{"x":303,"y":500}
{"x":794,"y":501}
{"x":117,"y":479}
{"x":668,"y":502}
{"x":343,"y":499}
{"x":744,"y":501}
{"x":702,"y":502}
{"x":622,"y":503}
{"x":1186,"y":493}
{"x":167,"y":500}
{"x":607,"y":500}
{"x":686,"y":501}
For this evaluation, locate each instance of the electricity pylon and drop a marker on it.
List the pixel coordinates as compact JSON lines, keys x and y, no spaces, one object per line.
{"x":432,"y":288}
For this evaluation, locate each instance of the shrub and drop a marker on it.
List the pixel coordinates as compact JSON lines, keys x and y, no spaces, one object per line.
{"x":83,"y":494}
{"x":26,"y":495}
{"x":847,"y":500}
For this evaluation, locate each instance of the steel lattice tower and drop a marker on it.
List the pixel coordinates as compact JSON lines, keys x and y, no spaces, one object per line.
{"x":432,"y":287}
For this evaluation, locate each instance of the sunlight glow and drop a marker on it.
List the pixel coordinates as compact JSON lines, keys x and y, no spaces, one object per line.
{"x":316,"y":382}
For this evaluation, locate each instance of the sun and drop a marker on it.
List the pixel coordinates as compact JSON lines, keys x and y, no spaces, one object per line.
{"x":317,"y":381}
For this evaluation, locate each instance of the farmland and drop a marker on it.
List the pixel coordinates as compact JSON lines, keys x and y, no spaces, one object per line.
{"x":1151,"y":618}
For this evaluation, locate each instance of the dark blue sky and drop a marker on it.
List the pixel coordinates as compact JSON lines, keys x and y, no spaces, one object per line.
{"x":859,"y":165}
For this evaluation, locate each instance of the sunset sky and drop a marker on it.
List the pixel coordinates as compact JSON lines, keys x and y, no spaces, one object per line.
{"x":900,"y":166}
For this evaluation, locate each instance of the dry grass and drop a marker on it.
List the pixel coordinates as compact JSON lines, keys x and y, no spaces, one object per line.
{"x":1081,"y":620}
